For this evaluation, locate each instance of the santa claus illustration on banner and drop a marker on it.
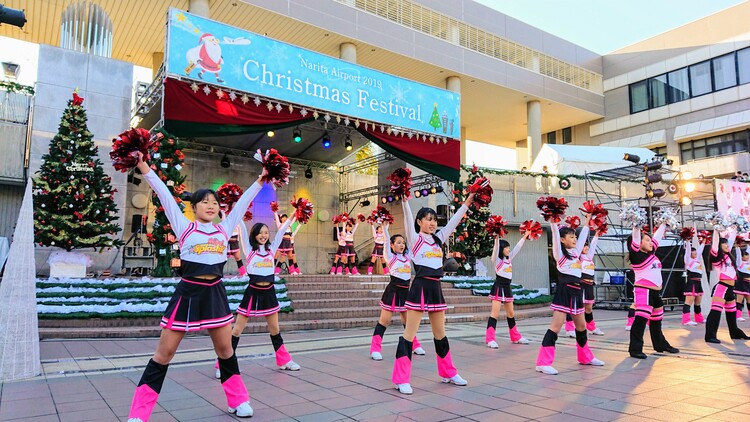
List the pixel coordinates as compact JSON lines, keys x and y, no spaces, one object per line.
{"x":207,"y":55}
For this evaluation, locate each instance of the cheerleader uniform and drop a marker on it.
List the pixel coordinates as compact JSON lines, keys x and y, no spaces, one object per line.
{"x":693,"y":286}
{"x":426,"y":294}
{"x":340,"y":253}
{"x":285,"y":246}
{"x":377,"y":250}
{"x":349,"y":250}
{"x":649,"y":306}
{"x":742,"y":285}
{"x":260,"y":299}
{"x":588,"y":271}
{"x":568,"y":299}
{"x":501,"y":292}
{"x":197,"y":303}
{"x":724,"y":289}
{"x":394,"y":297}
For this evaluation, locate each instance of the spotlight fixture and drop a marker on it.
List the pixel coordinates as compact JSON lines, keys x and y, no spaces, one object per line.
{"x":270,"y":134}
{"x":670,"y":161}
{"x":438,"y":189}
{"x":326,"y":141}
{"x":433,"y":190}
{"x":689,"y":187}
{"x":417,"y":193}
{"x":425,"y":192}
{"x":652,"y":166}
{"x":297,"y":136}
{"x":366,"y":203}
{"x":384,"y":200}
{"x":632,"y":158}
{"x":308,"y":173}
{"x":685,"y":201}
{"x":390,"y":198}
{"x":653,"y":178}
{"x":348,"y":143}
{"x":672,"y":188}
{"x":655,"y":193}
{"x":225,"y":161}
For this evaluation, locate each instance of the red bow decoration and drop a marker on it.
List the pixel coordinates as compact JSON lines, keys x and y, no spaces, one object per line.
{"x":341,"y":218}
{"x":687,"y":233}
{"x":127,"y":144}
{"x":380,"y":215}
{"x":303,"y":209}
{"x":573,"y":221}
{"x":552,"y":208}
{"x":274,"y":206}
{"x":77,"y":100}
{"x":534,"y":228}
{"x":401,"y":182}
{"x":496,"y":226}
{"x":482,"y":192}
{"x":277,"y":167}
{"x":228,"y":194}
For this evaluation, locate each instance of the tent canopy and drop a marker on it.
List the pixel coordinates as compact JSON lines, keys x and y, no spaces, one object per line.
{"x":580,"y":159}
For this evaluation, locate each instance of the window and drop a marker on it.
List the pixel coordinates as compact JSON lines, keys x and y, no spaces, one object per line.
{"x":567,"y":135}
{"x":552,"y":138}
{"x":714,"y":146}
{"x":700,"y":78}
{"x":638,"y":97}
{"x":658,"y":91}
{"x":679,"y":85}
{"x":743,"y":65}
{"x":724,"y":71}
{"x":660,"y":151}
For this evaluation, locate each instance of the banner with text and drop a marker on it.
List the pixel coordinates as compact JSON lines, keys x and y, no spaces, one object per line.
{"x":733,"y":196}
{"x":202,"y":49}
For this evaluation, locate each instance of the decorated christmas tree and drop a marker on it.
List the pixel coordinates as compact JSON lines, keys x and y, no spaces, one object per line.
{"x":74,"y":205}
{"x":435,"y":118}
{"x":167,"y":163}
{"x":472,"y":241}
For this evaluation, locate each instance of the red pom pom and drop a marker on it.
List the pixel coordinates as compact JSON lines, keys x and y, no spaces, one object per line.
{"x":276,"y":165}
{"x":341,"y":218}
{"x":603,"y":228}
{"x":598,"y":215}
{"x":228,"y":194}
{"x":573,"y":221}
{"x":705,"y":236}
{"x":380,"y":215}
{"x":482,"y":192}
{"x":534,"y":228}
{"x":552,"y":208}
{"x":274,"y":206}
{"x":248,"y":215}
{"x":687,"y":233}
{"x":361,"y":217}
{"x":496,"y":226}
{"x":303,"y":209}
{"x":125,"y":147}
{"x":401,"y":182}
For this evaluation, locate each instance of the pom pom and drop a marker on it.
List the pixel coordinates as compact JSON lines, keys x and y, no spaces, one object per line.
{"x":361,"y":217}
{"x":277,"y":167}
{"x":380,"y":215}
{"x":573,"y":221}
{"x":496,"y":226}
{"x":401,"y":182}
{"x":602,"y":228}
{"x":274,"y":206}
{"x":598,"y":215}
{"x":551,"y":208}
{"x":228,"y":194}
{"x":666,"y":216}
{"x":633,"y":215}
{"x":687,"y":233}
{"x":740,"y":223}
{"x":717,"y":221}
{"x":248,"y":215}
{"x":705,"y":236}
{"x":534,"y":228}
{"x":341,"y":218}
{"x":303,"y":209}
{"x":482,"y":192}
{"x":127,"y":144}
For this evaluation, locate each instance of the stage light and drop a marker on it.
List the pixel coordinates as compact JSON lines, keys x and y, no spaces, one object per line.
{"x":632,"y":158}
{"x":384,"y":200}
{"x":689,"y":187}
{"x":670,"y":161}
{"x":652,"y":166}
{"x":686,"y":175}
{"x":270,"y":134}
{"x":425,"y":192}
{"x":685,"y":201}
{"x":439,"y":189}
{"x":417,"y":193}
{"x":225,"y":161}
{"x":366,"y":203}
{"x":653,"y":178}
{"x":308,"y":173}
{"x":672,"y":188}
{"x":390,"y":198}
{"x":348,"y":143}
{"x":326,"y":141}
{"x":297,"y":135}
{"x":433,"y":190}
{"x":655,"y":193}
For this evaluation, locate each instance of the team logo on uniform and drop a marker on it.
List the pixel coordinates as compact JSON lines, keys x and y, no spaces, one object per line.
{"x":434,"y":253}
{"x":213,"y":245}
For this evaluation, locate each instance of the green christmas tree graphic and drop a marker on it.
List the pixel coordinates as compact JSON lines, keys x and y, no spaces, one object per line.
{"x":435,"y":118}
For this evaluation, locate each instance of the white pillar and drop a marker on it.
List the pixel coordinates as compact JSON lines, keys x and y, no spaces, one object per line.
{"x":157,"y":58}
{"x":348,"y":52}
{"x":199,"y":7}
{"x":533,"y":129}
{"x":453,"y":83}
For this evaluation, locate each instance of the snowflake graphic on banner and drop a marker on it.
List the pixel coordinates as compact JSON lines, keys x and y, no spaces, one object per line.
{"x":277,"y":55}
{"x":399,"y":94}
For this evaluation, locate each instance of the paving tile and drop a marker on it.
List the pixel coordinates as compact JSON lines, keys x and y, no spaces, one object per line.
{"x":428,"y":414}
{"x":528,"y":411}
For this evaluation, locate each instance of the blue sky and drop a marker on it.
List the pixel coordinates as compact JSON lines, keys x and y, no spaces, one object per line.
{"x":606,"y":25}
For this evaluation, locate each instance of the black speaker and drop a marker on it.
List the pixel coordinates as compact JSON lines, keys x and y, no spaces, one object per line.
{"x":442,"y":215}
{"x":138,"y":223}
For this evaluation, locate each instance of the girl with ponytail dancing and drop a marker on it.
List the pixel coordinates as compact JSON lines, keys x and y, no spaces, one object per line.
{"x":693,"y":288}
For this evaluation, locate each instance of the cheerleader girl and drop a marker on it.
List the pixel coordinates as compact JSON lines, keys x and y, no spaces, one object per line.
{"x":426,"y":294}
{"x":588,"y":271}
{"x":234,"y":246}
{"x":568,"y":298}
{"x":647,"y":292}
{"x":377,"y":251}
{"x":394,"y":296}
{"x":200,"y":299}
{"x":285,"y":248}
{"x":338,"y":260}
{"x":501,"y":293}
{"x":693,"y":287}
{"x":294,"y":253}
{"x":723,"y":297}
{"x":742,"y":287}
{"x":349,"y":254}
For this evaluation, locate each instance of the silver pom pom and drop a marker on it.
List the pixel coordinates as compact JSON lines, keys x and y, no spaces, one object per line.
{"x":633,"y":215}
{"x":739,"y":222}
{"x":717,"y":221}
{"x":666,"y":216}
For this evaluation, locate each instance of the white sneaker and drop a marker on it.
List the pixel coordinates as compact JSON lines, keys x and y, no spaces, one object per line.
{"x":218,"y":374}
{"x":740,"y":319}
{"x":290,"y":366}
{"x":456,"y":379}
{"x":419,"y":351}
{"x":572,"y":334}
{"x":135,"y":420}
{"x":691,"y":323}
{"x":243,"y":411}
{"x":404,"y":388}
{"x":597,"y":332}
{"x":376,"y":356}
{"x":521,"y":340}
{"x":627,"y":328}
{"x":493,"y":345}
{"x":594,"y":362}
{"x":547,"y":370}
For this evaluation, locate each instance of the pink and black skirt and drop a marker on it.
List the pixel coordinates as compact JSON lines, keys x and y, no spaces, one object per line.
{"x":587,"y":282}
{"x":426,"y":295}
{"x":197,"y":304}
{"x":259,"y":301}
{"x":568,"y":299}
{"x":349,"y":249}
{"x":693,"y":285}
{"x":394,"y":296}
{"x":341,"y":251}
{"x":286,"y":245}
{"x":501,"y":290}
{"x":377,"y":251}
{"x":742,"y":285}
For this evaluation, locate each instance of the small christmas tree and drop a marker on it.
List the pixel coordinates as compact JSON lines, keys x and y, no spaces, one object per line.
{"x":74,"y":205}
{"x":167,"y":163}
{"x":472,"y":240}
{"x":435,"y":118}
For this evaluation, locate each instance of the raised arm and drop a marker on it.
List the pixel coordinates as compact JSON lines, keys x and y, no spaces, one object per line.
{"x":374,"y":232}
{"x":738,"y":256}
{"x":339,"y":232}
{"x":234,"y":216}
{"x":659,"y":235}
{"x":411,"y":234}
{"x":276,"y":219}
{"x":244,"y":241}
{"x":592,"y":247}
{"x":280,"y":233}
{"x":495,"y":251}
{"x":516,"y":249}
{"x":174,"y":214}
{"x":732,"y":237}
{"x":582,"y":239}
{"x":635,"y":245}
{"x":354,"y":229}
{"x":556,"y":245}
{"x":387,"y":244}
{"x":715,"y":242}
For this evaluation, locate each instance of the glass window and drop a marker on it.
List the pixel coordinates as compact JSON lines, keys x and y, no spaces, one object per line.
{"x":743,"y":64}
{"x":552,"y":138}
{"x":567,"y":135}
{"x":725,"y":74}
{"x":660,"y":151}
{"x":658,"y":91}
{"x":679,"y":86}
{"x":638,"y":97}
{"x":700,"y":78}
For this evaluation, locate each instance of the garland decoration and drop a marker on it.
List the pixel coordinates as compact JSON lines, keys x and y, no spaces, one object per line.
{"x":11,"y":86}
